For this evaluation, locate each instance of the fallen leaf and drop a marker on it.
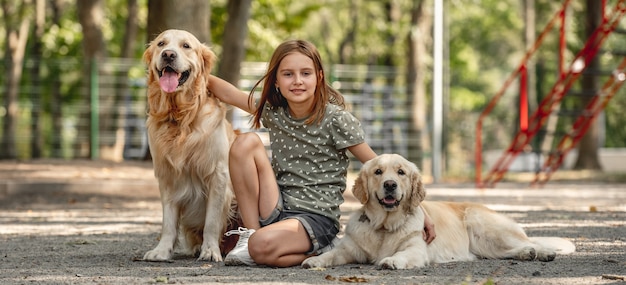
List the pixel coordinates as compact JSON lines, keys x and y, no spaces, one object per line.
{"x":353,"y":279}
{"x":613,"y":277}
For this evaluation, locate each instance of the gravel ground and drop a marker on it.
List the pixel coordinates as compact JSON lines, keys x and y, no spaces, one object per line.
{"x":84,"y":222}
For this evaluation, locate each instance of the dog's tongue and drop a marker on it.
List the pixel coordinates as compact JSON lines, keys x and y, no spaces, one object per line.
{"x":389,"y":200}
{"x":169,"y":81}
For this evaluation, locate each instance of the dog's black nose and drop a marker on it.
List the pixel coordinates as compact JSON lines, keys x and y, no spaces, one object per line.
{"x":390,"y":185}
{"x":168,"y":55}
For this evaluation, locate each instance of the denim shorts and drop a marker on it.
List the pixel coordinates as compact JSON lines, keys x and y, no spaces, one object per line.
{"x":322,"y":230}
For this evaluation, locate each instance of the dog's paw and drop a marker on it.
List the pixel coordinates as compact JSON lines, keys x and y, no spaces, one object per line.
{"x":157,"y":255}
{"x":210,"y":254}
{"x":391,"y":263}
{"x":312,"y":262}
{"x":546,"y":256}
{"x":527,"y":254}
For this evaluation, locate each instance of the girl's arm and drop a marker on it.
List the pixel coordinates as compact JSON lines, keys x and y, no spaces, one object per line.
{"x":230,"y":94}
{"x":364,"y":152}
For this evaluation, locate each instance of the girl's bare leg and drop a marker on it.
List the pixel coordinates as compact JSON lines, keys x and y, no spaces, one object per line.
{"x":256,"y":190}
{"x":253,"y":179}
{"x":280,"y":244}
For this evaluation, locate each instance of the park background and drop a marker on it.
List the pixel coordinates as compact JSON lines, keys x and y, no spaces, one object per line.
{"x":73,"y":83}
{"x":79,"y":203}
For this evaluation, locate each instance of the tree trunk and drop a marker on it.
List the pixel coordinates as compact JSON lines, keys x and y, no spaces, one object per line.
{"x":589,"y":144}
{"x":393,"y":13}
{"x":234,"y":43}
{"x":91,"y":17}
{"x":115,"y":150}
{"x":166,"y":14}
{"x":56,"y":94}
{"x":420,"y":148}
{"x":36,"y":143}
{"x":346,"y":47}
{"x":132,"y":28}
{"x":17,"y":26}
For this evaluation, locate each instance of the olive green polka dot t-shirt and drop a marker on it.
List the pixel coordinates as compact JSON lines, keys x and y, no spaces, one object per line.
{"x":310,"y":160}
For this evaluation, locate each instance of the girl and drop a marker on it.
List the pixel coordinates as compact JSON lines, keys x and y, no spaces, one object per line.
{"x":290,"y":205}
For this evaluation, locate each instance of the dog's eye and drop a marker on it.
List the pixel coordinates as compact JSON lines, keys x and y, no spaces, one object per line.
{"x":186,"y":45}
{"x":161,"y":43}
{"x":401,"y":172}
{"x":378,"y":172}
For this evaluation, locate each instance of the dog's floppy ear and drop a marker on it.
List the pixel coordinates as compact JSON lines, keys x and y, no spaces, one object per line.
{"x":147,"y":58}
{"x":418,"y":193}
{"x":359,"y":189}
{"x":208,"y":58}
{"x":147,"y":54}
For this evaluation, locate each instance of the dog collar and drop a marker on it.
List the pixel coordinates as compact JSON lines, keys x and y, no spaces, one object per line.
{"x":364,"y":219}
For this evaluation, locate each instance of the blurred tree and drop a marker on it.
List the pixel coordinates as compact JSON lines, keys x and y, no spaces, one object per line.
{"x":274,"y":21}
{"x":418,"y":57}
{"x":114,"y":150}
{"x":17,"y":17}
{"x":132,"y":29}
{"x":38,"y":33}
{"x":346,"y":46}
{"x":191,"y":15}
{"x":393,"y":17}
{"x":61,"y":41}
{"x":588,"y":145}
{"x":234,"y":43}
{"x":91,"y":17}
{"x":486,"y":43}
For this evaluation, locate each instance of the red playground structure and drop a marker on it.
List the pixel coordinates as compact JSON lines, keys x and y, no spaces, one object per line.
{"x":529,"y":126}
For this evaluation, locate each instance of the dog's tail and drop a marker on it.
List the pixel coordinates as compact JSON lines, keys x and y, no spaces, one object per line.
{"x":559,"y":245}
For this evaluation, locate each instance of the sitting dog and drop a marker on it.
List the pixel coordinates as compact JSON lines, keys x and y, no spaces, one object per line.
{"x":189,"y":139}
{"x":388,"y":229}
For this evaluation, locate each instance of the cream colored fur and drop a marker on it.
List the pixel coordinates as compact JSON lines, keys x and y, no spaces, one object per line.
{"x":388,"y":229}
{"x":189,"y":142}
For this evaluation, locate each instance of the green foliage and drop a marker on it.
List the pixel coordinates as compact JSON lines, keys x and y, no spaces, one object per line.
{"x":62,"y":40}
{"x":271,"y":22}
{"x":115,"y":28}
{"x":484,"y":50}
{"x":274,"y":21}
{"x":485,"y":44}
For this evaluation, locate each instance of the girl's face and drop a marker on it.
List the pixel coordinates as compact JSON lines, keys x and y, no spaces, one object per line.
{"x":296,"y":78}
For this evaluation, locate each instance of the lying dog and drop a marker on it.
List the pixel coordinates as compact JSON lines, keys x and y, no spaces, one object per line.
{"x":189,"y":141}
{"x":388,"y":229}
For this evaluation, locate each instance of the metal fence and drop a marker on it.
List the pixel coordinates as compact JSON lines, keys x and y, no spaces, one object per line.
{"x":54,"y":107}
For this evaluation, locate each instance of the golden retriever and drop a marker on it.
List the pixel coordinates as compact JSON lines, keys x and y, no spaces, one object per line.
{"x":189,"y":140}
{"x":387,"y":230}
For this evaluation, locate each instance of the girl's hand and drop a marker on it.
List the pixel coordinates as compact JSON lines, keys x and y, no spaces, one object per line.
{"x":429,"y":228}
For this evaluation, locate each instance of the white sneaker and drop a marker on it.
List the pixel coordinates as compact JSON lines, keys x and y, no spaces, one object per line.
{"x":240,"y":255}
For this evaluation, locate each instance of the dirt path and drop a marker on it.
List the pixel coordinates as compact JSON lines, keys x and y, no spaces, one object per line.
{"x":84,"y":222}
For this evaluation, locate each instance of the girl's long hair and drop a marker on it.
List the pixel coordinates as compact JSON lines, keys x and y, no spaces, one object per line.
{"x":324,"y":93}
